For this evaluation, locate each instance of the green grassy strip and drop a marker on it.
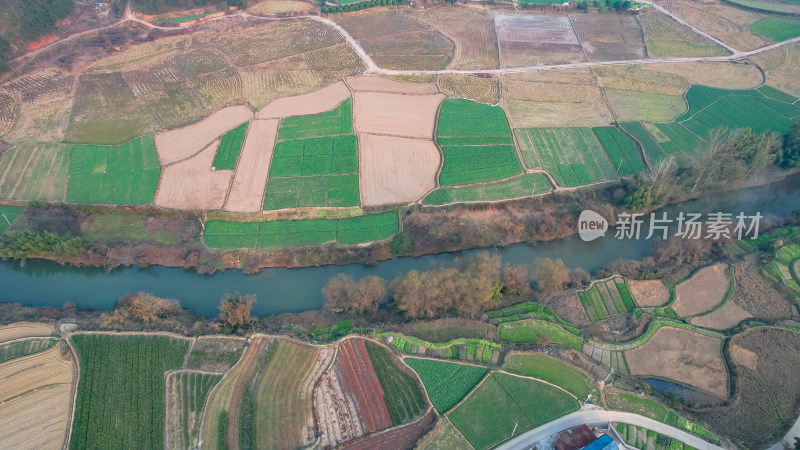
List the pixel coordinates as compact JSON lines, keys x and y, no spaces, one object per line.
{"x":7,"y":216}
{"x":403,"y":398}
{"x":230,"y":147}
{"x":524,"y":186}
{"x":183,"y":19}
{"x":777,"y":29}
{"x":554,"y":371}
{"x":12,"y":350}
{"x":530,"y":331}
{"x":330,"y":123}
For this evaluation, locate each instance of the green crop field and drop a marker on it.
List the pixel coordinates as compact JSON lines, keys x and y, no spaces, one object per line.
{"x":7,"y":216}
{"x":401,"y":393}
{"x":621,"y":150}
{"x":524,"y":186}
{"x":489,"y":415}
{"x":189,"y":391}
{"x":187,"y":18}
{"x":284,"y":233}
{"x":776,"y":94}
{"x":607,"y":299}
{"x":674,"y":138}
{"x":125,"y":174}
{"x":230,"y":147}
{"x":554,"y":371}
{"x":744,"y":111}
{"x":651,"y":148}
{"x":121,"y":393}
{"x":477,"y":143}
{"x":528,"y":331}
{"x":320,"y":190}
{"x":777,"y":29}
{"x":331,"y":123}
{"x":35,"y":172}
{"x":573,"y":156}
{"x":699,"y":97}
{"x":446,"y":383}
{"x":11,"y":350}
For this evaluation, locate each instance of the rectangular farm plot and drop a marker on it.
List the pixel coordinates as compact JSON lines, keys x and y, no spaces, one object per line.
{"x":334,"y":122}
{"x":396,"y":114}
{"x":607,"y":299}
{"x":524,"y":186}
{"x":572,"y":156}
{"x":620,"y":149}
{"x":284,"y":233}
{"x":667,"y":37}
{"x":674,"y":138}
{"x":531,"y":39}
{"x":651,"y":147}
{"x":250,"y":179}
{"x":126,"y":174}
{"x":36,"y":172}
{"x":609,"y":37}
{"x":229,"y":148}
{"x":777,"y":29}
{"x":639,"y":105}
{"x":739,"y":111}
{"x":477,"y":144}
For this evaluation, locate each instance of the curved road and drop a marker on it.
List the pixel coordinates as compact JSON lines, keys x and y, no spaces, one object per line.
{"x":598,"y":417}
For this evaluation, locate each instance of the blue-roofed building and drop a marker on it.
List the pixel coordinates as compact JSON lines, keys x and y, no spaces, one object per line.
{"x":604,"y":442}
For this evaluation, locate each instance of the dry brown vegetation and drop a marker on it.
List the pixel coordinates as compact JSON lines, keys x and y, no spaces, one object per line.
{"x":529,"y":39}
{"x":726,"y":23}
{"x":396,"y":114}
{"x":214,"y":354}
{"x":252,"y":170}
{"x":726,"y":317}
{"x":178,"y":145}
{"x":609,"y":37}
{"x":191,"y":184}
{"x":568,"y":306}
{"x":780,"y":66}
{"x":36,"y":399}
{"x":664,"y":37}
{"x":480,"y":89}
{"x":37,"y":106}
{"x":683,"y":356}
{"x":554,"y":99}
{"x":395,"y":40}
{"x":388,"y":85}
{"x":271,"y":7}
{"x":316,"y":102}
{"x":704,"y":290}
{"x":396,"y":170}
{"x":472,"y":32}
{"x":757,"y":295}
{"x":649,"y":292}
{"x":21,"y":330}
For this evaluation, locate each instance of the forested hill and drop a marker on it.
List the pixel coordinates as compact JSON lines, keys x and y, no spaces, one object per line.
{"x":161,"y":6}
{"x":23,"y":21}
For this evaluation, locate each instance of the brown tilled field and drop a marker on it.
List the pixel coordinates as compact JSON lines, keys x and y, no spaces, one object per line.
{"x":389,"y":86}
{"x":405,"y":437}
{"x":609,"y":37}
{"x":315,"y":102}
{"x":396,"y":114}
{"x":532,"y":39}
{"x":683,"y":356}
{"x":472,"y":32}
{"x":178,"y":145}
{"x":649,"y":292}
{"x":252,"y":170}
{"x":780,"y":66}
{"x":191,"y":184}
{"x":666,"y":37}
{"x":271,"y":7}
{"x":21,"y":330}
{"x":348,"y":400}
{"x":757,"y":295}
{"x":704,"y":290}
{"x":726,"y":317}
{"x":726,"y":23}
{"x":479,"y":89}
{"x":36,"y":400}
{"x":396,"y":170}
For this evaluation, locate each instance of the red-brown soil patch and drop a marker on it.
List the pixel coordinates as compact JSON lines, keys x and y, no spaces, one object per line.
{"x":396,"y":114}
{"x":42,"y":42}
{"x":726,"y":317}
{"x":177,"y":145}
{"x":191,"y":184}
{"x":683,"y":356}
{"x":396,"y":170}
{"x":252,"y":170}
{"x":649,"y":292}
{"x":348,"y":401}
{"x":315,"y":102}
{"x":380,"y":84}
{"x":702,"y":291}
{"x":400,"y":438}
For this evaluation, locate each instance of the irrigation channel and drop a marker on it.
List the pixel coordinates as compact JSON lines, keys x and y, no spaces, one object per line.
{"x":44,"y":283}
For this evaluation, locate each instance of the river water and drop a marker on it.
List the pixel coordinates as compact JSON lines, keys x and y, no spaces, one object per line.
{"x":41,"y":283}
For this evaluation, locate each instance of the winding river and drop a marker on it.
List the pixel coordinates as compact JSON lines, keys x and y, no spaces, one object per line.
{"x":43,"y":283}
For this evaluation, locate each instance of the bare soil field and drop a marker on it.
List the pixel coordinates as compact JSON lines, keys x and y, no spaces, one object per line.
{"x":563,"y":99}
{"x":387,"y":85}
{"x":649,"y":292}
{"x":472,"y":87}
{"x":726,"y":75}
{"x":568,"y":306}
{"x":609,"y":37}
{"x":214,"y":354}
{"x":726,"y":317}
{"x":529,"y":39}
{"x":396,"y":170}
{"x":404,"y":437}
{"x":395,"y":40}
{"x":704,"y":290}
{"x":348,"y":401}
{"x":272,"y":7}
{"x":36,"y":400}
{"x":769,"y":388}
{"x":395,"y":114}
{"x":666,"y":37}
{"x":315,"y":102}
{"x":780,"y":66}
{"x":757,"y":295}
{"x":21,"y":330}
{"x":252,"y":170}
{"x":191,"y":184}
{"x":683,"y":356}
{"x":726,"y":23}
{"x":177,"y":145}
{"x":472,"y":32}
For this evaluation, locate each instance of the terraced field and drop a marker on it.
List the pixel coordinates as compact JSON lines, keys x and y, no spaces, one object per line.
{"x":607,"y":299}
{"x":524,"y":186}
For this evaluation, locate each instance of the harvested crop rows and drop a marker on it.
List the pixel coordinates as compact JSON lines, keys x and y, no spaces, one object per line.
{"x":403,"y":437}
{"x":607,"y":299}
{"x":528,"y":39}
{"x":666,"y":37}
{"x":472,"y":31}
{"x":37,"y":172}
{"x":186,"y":397}
{"x":524,"y":186}
{"x":402,"y":395}
{"x":446,"y":383}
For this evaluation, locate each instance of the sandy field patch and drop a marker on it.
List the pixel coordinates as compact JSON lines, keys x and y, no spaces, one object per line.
{"x":683,"y":356}
{"x":396,"y":114}
{"x":21,"y":375}
{"x":529,"y":39}
{"x":316,"y":102}
{"x":649,"y":292}
{"x":726,"y":75}
{"x":781,"y":67}
{"x":250,"y":181}
{"x":744,"y":357}
{"x":396,"y":170}
{"x":24,"y":329}
{"x":726,"y":317}
{"x":177,"y":145}
{"x":380,"y":84}
{"x":191,"y":184}
{"x":704,"y":290}
{"x":270,"y":7}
